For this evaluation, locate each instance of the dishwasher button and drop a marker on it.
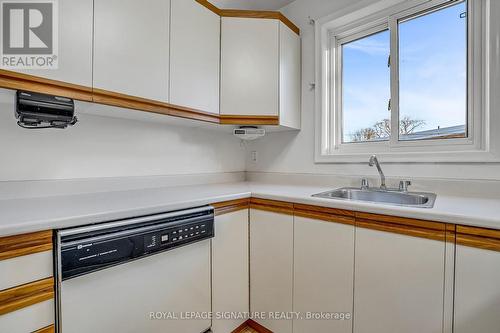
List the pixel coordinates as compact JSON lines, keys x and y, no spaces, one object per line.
{"x":164,"y":238}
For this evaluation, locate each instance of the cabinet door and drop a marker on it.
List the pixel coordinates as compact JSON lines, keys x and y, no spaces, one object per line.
{"x":271,"y":267}
{"x":398,"y":284}
{"x":194,"y":56}
{"x":290,"y":77}
{"x":250,"y":66}
{"x":75,"y":44}
{"x":230,"y":292}
{"x":477,"y":290}
{"x":131,"y":47}
{"x":323,"y":274}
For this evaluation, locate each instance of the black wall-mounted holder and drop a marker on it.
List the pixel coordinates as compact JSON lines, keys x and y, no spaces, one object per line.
{"x":37,"y":111}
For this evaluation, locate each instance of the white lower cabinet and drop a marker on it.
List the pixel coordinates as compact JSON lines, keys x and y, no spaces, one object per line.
{"x":399,"y":283}
{"x":323,"y":275}
{"x":271,"y":268}
{"x":230,"y":270}
{"x":477,"y":290}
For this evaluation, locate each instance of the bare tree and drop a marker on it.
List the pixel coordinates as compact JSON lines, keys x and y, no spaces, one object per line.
{"x":382,"y":129}
{"x":408,"y":125}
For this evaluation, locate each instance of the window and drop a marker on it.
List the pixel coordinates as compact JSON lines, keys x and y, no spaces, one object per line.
{"x":365,"y":88}
{"x":432,"y":80}
{"x":406,"y":80}
{"x":433,"y":74}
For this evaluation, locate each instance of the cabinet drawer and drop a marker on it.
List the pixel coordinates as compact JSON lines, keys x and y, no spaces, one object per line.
{"x":20,"y":270}
{"x":29,"y":319}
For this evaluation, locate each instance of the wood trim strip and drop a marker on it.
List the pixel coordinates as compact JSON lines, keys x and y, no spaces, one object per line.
{"x":48,"y":329}
{"x":477,"y":231}
{"x":21,"y":245}
{"x":19,"y":81}
{"x":131,"y":102}
{"x":402,"y":229}
{"x":261,"y":14}
{"x":438,"y":226}
{"x":249,"y":120}
{"x":28,"y":294}
{"x":482,"y":238}
{"x":230,"y":206}
{"x":451,"y":233}
{"x":324,"y":210}
{"x":272,"y":206}
{"x":325,"y":217}
{"x":257,"y":327}
{"x":210,"y":6}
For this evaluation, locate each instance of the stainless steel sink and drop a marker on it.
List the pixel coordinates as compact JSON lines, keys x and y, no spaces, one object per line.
{"x":393,"y":197}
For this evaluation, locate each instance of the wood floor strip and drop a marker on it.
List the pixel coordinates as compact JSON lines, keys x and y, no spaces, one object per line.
{"x":257,"y":327}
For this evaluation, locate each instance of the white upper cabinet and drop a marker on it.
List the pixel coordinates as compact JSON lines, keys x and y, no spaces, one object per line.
{"x":75,"y":44}
{"x":131,"y":47}
{"x":477,"y":290}
{"x":290,"y":77}
{"x":323,"y":274}
{"x":260,"y":69}
{"x":250,"y":66}
{"x":398,"y":284}
{"x":194,"y":56}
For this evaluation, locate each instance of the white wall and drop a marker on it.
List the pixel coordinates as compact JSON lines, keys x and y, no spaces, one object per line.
{"x":104,"y":146}
{"x":293,"y":152}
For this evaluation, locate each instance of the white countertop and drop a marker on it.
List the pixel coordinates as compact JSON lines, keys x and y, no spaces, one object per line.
{"x":41,"y":213}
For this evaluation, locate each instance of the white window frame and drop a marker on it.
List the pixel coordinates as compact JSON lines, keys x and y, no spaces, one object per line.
{"x":361,"y":20}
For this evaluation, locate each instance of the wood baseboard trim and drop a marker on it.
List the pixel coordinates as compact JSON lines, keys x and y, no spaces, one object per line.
{"x":248,"y":120}
{"x":482,"y":238}
{"x":16,"y":298}
{"x":25,"y":244}
{"x":230,"y":206}
{"x":48,"y":329}
{"x":19,"y":81}
{"x":274,"y":206}
{"x":257,"y":327}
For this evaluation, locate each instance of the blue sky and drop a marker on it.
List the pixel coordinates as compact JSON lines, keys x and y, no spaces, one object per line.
{"x":432,"y":73}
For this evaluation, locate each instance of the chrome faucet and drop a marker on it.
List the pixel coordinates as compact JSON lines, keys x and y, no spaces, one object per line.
{"x":374,"y":161}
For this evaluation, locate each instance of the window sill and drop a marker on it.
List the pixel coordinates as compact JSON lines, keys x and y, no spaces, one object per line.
{"x":477,"y":156}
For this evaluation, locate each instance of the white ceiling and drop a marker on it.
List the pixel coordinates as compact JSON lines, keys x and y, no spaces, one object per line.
{"x":251,"y":4}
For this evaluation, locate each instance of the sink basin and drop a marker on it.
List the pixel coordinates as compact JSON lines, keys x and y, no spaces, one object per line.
{"x":409,"y":199}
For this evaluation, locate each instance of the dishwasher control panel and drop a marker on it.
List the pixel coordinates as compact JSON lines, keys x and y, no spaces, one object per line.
{"x":177,"y":235}
{"x":107,"y":247}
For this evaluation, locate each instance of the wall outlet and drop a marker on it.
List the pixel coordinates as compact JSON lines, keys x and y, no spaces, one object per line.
{"x":253,"y":156}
